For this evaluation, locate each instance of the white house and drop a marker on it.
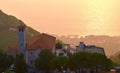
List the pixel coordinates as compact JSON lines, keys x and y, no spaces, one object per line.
{"x":89,"y":48}
{"x":66,"y":50}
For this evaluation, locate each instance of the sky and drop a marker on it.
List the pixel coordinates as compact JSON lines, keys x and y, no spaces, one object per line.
{"x":67,"y":17}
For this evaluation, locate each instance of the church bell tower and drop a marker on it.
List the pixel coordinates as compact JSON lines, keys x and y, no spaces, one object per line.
{"x":21,"y":38}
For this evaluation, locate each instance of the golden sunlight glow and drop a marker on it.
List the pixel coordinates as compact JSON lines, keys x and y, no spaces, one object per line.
{"x":81,"y":17}
{"x":96,"y":11}
{"x":101,"y":16}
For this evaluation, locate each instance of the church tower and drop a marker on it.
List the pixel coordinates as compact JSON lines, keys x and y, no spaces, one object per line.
{"x":21,"y":38}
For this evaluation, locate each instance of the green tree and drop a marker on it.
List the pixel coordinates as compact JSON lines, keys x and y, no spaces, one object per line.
{"x":89,"y":60}
{"x":58,"y":45}
{"x":20,"y":64}
{"x":102,"y":61}
{"x":80,"y":60}
{"x":5,"y":61}
{"x":43,"y":61}
{"x":60,"y":62}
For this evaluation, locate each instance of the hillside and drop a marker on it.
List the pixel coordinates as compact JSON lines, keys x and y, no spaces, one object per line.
{"x":8,"y":30}
{"x":116,"y":58}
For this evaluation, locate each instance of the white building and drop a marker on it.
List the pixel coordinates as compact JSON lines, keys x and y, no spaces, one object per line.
{"x":33,"y":48}
{"x":89,"y":48}
{"x":66,"y":50}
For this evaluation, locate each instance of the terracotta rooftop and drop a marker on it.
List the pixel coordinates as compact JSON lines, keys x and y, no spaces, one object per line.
{"x":43,"y":41}
{"x":13,"y":49}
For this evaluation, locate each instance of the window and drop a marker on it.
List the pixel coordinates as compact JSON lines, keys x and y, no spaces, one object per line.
{"x":61,"y":54}
{"x":31,"y":53}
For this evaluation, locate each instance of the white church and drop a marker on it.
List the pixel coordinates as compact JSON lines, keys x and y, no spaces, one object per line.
{"x":33,"y":48}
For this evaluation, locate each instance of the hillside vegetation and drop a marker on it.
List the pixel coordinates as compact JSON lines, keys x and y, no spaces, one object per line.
{"x":116,"y":58}
{"x":9,"y":32}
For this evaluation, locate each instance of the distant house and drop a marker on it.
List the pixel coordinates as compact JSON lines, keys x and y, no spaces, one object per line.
{"x":89,"y":48}
{"x":66,"y":50}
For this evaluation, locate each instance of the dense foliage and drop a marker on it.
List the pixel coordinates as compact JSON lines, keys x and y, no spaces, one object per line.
{"x":58,"y":45}
{"x":5,"y":61}
{"x":43,"y":61}
{"x":20,"y":64}
{"x":60,"y":62}
{"x":90,"y":60}
{"x":77,"y":62}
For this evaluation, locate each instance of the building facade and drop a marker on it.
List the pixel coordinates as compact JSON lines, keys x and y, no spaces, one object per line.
{"x":89,"y":48}
{"x":35,"y":46}
{"x":66,"y":50}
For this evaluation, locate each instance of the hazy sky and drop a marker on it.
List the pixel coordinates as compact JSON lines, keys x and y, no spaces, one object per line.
{"x":64,"y":17}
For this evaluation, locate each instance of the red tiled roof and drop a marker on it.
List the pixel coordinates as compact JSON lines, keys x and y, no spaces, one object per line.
{"x":43,"y":41}
{"x":13,"y":49}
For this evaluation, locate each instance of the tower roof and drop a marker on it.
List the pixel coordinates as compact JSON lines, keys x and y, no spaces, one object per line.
{"x":21,"y":27}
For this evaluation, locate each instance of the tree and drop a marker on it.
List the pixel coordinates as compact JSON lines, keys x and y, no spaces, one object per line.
{"x":89,"y":60}
{"x":102,"y":61}
{"x":20,"y":64}
{"x":58,"y":45}
{"x":5,"y":61}
{"x":60,"y":62}
{"x":43,"y":61}
{"x":80,"y":60}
